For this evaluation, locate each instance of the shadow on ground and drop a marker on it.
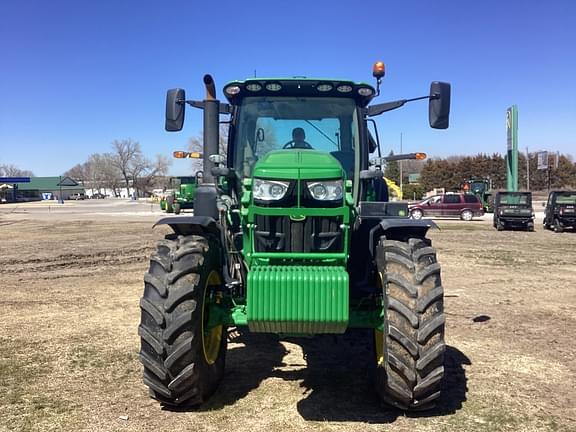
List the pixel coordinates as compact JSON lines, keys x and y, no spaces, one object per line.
{"x":337,"y":383}
{"x":247,"y":365}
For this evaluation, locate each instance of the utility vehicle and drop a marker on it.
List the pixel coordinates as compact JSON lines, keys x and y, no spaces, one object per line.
{"x":513,"y":210}
{"x":560,"y":211}
{"x":291,"y":235}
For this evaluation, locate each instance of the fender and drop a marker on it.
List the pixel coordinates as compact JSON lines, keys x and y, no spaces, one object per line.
{"x":191,"y":225}
{"x":398,"y":229}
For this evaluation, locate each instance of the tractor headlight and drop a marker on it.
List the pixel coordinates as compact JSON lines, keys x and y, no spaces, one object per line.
{"x":269,"y":190}
{"x":326,"y":190}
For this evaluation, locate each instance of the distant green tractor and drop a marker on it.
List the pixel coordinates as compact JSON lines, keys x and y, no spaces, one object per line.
{"x":293,"y":236}
{"x":480,"y":187}
{"x":182,"y":195}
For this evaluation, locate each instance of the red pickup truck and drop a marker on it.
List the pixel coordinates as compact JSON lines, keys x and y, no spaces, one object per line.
{"x":464,"y":206}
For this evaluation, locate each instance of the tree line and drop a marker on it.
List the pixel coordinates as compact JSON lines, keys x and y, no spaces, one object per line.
{"x":451,"y":172}
{"x":10,"y":170}
{"x":124,"y":167}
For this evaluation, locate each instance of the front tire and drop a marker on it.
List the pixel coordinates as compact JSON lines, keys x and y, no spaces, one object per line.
{"x":466,"y":215}
{"x":183,"y":360}
{"x":558,"y":227}
{"x":177,"y":208}
{"x":410,"y":350}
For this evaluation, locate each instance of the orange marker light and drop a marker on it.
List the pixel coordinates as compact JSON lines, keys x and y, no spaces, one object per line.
{"x":180,"y":154}
{"x":421,"y":156}
{"x":195,"y":155}
{"x":378,"y":70}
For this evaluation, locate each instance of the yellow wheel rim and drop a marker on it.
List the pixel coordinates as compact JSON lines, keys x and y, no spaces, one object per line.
{"x":211,"y":338}
{"x":379,"y":344}
{"x":379,"y":337}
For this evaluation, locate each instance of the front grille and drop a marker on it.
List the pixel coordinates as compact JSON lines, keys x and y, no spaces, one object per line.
{"x":313,"y":234}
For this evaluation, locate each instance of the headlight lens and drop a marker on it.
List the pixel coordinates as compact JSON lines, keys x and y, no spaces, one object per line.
{"x":270,"y":190}
{"x":326,"y":190}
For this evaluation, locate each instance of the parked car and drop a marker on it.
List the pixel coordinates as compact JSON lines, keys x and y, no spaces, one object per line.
{"x":464,"y":206}
{"x":77,"y":196}
{"x":98,"y":195}
{"x":513,"y":210}
{"x":560,"y":212}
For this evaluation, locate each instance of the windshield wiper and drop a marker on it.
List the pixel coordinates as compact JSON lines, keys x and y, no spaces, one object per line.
{"x":323,"y":134}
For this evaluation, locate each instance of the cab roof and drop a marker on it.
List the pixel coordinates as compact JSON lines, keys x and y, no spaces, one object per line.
{"x":361,"y":92}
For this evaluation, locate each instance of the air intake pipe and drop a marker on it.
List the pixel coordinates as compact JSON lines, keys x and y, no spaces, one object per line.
{"x":206,"y":193}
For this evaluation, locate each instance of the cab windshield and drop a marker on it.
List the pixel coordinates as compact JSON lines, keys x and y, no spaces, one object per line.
{"x":566,"y":198}
{"x":514,"y":199}
{"x":273,"y":123}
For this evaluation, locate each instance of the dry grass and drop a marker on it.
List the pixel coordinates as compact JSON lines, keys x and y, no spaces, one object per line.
{"x":69,"y":293}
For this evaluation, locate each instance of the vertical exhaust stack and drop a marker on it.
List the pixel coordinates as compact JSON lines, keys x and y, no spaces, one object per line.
{"x":206,"y":195}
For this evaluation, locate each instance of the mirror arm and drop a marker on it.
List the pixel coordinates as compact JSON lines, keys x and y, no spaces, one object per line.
{"x":375,"y":110}
{"x":193,"y":103}
{"x":224,"y":107}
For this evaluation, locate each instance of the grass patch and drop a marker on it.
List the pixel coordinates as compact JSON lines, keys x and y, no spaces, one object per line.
{"x":477,"y":417}
{"x":28,"y":403}
{"x":464,"y":226}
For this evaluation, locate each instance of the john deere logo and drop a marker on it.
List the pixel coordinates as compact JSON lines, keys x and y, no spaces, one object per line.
{"x":297,"y":218}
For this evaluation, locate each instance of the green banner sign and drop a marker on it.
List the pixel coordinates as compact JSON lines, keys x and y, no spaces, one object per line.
{"x":512,"y":148}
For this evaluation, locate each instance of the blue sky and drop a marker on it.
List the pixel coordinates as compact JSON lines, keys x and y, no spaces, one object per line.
{"x":76,"y":75}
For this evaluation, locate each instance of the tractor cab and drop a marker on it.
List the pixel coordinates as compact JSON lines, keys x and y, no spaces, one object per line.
{"x":276,"y":119}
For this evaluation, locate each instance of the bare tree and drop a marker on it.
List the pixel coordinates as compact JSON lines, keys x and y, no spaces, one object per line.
{"x":155,"y":174}
{"x":109,"y":173}
{"x":78,"y":172}
{"x":126,"y":152}
{"x":125,"y":165}
{"x":195,"y":144}
{"x":9,"y":170}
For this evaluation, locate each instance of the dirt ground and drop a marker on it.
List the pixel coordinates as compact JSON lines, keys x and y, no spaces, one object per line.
{"x":69,"y":292}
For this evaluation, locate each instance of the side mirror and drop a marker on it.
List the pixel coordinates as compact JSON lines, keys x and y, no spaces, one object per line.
{"x":175,"y":104}
{"x":439,"y":105}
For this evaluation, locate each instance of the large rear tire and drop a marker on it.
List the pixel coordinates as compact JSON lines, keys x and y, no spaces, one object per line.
{"x":410,"y":350}
{"x":183,"y":361}
{"x":170,"y":204}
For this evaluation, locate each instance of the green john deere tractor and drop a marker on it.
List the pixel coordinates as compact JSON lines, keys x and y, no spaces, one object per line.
{"x":480,"y":187}
{"x":182,"y":195}
{"x":293,"y":235}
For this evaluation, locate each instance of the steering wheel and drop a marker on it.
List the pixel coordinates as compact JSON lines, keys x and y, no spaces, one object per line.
{"x":302,"y":145}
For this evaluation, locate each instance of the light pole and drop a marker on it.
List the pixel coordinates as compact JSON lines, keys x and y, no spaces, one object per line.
{"x":527,"y":170}
{"x":401,"y":185}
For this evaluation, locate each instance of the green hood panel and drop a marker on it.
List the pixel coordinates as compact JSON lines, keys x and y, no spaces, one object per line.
{"x":297,"y":299}
{"x":298,"y":164}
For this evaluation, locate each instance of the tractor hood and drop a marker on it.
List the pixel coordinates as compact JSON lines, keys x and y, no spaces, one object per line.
{"x":298,"y":164}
